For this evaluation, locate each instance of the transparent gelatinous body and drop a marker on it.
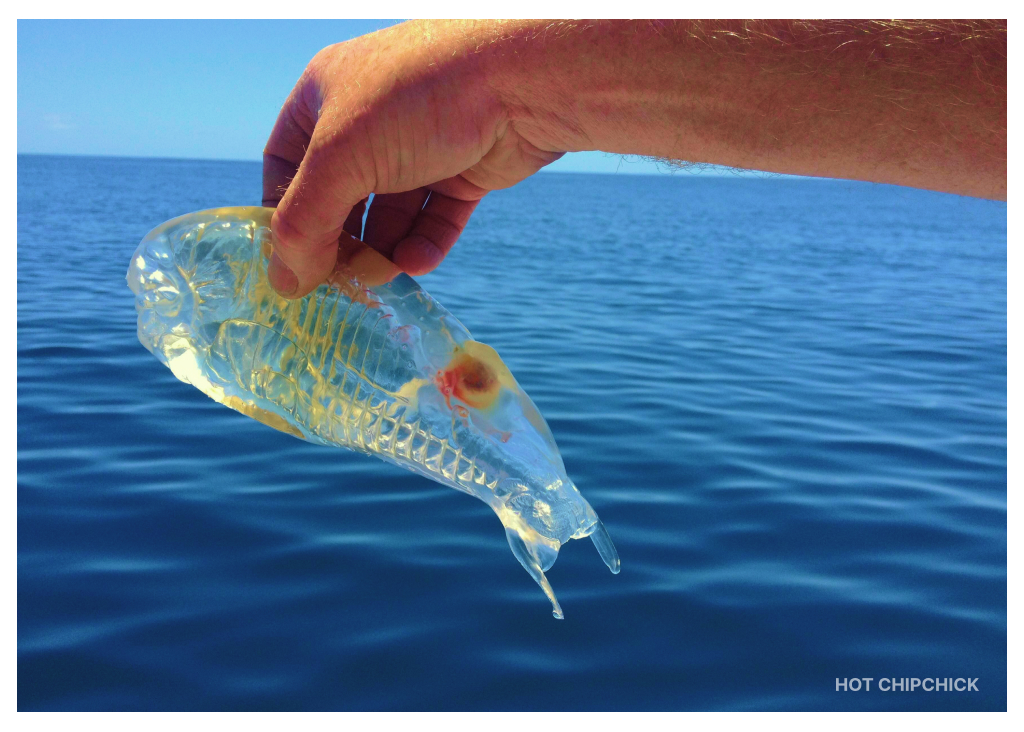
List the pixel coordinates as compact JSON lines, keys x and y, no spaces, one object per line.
{"x":368,"y":361}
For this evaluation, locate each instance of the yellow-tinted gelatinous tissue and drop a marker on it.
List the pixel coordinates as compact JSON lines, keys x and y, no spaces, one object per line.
{"x":367,"y":361}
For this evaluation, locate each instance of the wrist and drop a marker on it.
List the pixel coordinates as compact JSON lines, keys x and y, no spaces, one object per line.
{"x":588,"y":85}
{"x":529,"y":73}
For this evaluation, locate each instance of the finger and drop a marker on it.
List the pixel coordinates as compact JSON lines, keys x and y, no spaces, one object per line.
{"x":435,"y":232}
{"x":458,"y":187}
{"x":277,"y":174}
{"x":354,"y":222}
{"x":282,"y":156}
{"x":391,"y":218}
{"x":359,"y":262}
{"x":312,"y":214}
{"x":285,"y":147}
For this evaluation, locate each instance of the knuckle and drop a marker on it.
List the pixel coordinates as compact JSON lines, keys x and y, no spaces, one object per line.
{"x":298,"y":237}
{"x":287,"y":230}
{"x":325,"y":55}
{"x":440,"y":223}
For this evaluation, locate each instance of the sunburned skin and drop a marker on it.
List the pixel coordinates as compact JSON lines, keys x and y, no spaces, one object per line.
{"x":367,"y":361}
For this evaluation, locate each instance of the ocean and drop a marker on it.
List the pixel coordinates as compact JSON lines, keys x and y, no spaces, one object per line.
{"x":786,"y":398}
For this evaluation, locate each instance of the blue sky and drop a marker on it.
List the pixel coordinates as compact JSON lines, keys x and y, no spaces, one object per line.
{"x":182,"y":89}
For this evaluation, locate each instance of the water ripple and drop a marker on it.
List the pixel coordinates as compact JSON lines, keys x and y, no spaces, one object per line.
{"x":786,"y":399}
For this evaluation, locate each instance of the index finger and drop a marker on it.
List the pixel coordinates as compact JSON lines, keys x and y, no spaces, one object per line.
{"x":285,"y":149}
{"x":277,"y":174}
{"x":296,"y":265}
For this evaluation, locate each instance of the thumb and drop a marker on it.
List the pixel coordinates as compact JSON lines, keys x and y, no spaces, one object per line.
{"x":311,"y":216}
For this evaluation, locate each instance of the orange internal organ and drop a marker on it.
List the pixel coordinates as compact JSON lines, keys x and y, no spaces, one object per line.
{"x":470,"y":379}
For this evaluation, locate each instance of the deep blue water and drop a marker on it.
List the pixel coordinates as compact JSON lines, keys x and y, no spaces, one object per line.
{"x":786,"y":399}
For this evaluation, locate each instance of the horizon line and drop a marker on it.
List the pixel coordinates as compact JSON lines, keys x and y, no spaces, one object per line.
{"x":717,"y":171}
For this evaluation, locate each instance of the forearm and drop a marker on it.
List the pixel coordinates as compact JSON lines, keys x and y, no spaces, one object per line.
{"x":912,"y":103}
{"x":429,"y":116}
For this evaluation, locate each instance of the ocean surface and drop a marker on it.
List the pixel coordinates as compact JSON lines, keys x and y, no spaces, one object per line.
{"x":786,"y":399}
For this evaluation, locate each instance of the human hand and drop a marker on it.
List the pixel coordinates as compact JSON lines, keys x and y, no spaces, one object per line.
{"x":431,"y":115}
{"x":408,"y":114}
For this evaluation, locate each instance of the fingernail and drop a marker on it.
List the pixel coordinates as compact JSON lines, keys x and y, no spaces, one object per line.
{"x":281,"y":278}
